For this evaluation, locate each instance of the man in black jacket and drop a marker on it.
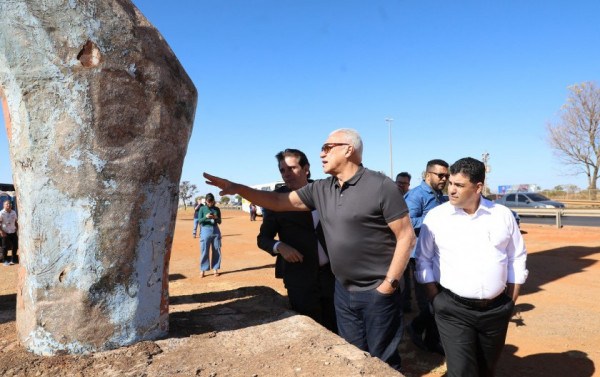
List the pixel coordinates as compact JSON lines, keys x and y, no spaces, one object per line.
{"x":301,"y":253}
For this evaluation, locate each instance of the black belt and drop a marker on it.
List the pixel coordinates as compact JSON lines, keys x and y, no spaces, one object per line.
{"x":475,"y":303}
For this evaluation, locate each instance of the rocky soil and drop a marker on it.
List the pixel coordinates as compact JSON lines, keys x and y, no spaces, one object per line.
{"x":238,"y":324}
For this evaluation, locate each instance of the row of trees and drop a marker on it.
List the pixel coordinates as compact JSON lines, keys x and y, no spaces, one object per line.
{"x":187,"y":191}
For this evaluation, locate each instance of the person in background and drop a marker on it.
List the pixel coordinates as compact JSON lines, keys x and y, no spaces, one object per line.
{"x":210,"y":236}
{"x":420,"y":200}
{"x":196,"y":210}
{"x":472,"y":260}
{"x":301,"y":252}
{"x":252,"y":212}
{"x":9,"y":226}
{"x":403,"y":182}
{"x":369,"y":239}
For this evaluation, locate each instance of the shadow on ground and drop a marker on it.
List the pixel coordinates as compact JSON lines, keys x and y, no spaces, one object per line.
{"x":571,"y":363}
{"x":226,"y":310}
{"x":550,"y":265}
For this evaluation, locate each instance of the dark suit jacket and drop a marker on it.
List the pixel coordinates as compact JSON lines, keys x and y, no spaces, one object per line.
{"x":297,"y":230}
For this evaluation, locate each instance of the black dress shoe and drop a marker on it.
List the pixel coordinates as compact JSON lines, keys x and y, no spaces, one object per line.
{"x":436,"y":348}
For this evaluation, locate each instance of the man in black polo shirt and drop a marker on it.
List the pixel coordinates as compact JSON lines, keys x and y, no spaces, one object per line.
{"x":369,"y":238}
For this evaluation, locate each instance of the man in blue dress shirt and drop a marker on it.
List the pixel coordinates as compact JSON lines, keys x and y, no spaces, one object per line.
{"x":420,"y":200}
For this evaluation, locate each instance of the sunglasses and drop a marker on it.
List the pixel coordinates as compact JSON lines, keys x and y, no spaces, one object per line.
{"x":329,"y":146}
{"x":440,"y":175}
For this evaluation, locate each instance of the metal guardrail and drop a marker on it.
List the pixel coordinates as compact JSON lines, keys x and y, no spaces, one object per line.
{"x":589,"y":212}
{"x":558,"y":213}
{"x":580,"y":203}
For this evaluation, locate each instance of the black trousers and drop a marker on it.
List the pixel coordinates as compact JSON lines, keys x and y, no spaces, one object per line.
{"x":472,"y":337}
{"x":10,"y":241}
{"x":316,"y":300}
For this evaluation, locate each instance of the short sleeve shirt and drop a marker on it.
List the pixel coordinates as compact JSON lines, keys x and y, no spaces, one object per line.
{"x":354,"y":219}
{"x":9,"y":221}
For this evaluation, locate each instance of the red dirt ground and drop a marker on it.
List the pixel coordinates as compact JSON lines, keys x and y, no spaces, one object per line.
{"x":554,"y":333}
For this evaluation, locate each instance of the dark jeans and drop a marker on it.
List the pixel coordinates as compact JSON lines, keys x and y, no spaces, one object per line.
{"x":371,"y":321}
{"x":10,"y":241}
{"x":196,"y":224}
{"x":473,"y":338}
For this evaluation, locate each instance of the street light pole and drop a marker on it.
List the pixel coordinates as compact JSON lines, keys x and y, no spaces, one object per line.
{"x":485,"y":157}
{"x":389,"y":122}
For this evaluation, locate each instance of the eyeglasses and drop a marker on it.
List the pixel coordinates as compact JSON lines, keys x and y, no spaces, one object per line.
{"x":440,"y":175}
{"x":329,"y":146}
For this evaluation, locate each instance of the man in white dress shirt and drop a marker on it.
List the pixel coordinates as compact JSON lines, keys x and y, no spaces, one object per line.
{"x":471,"y":258}
{"x":9,"y":226}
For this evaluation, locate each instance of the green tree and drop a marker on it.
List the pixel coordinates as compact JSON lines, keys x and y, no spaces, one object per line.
{"x":575,"y":138}
{"x":225,"y":200}
{"x":186,"y":191}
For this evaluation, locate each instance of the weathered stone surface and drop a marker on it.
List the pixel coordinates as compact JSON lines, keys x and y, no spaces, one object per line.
{"x":100,"y":114}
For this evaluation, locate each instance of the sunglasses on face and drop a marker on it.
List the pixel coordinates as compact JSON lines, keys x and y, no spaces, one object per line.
{"x":440,"y":175}
{"x":329,"y":146}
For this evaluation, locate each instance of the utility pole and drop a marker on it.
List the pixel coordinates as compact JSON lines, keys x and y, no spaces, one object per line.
{"x":485,"y":157}
{"x":389,"y":122}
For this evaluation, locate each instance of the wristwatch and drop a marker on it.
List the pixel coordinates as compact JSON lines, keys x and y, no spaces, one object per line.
{"x":393,"y":282}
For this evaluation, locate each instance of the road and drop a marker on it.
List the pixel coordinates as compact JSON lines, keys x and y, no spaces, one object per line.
{"x":566,"y":220}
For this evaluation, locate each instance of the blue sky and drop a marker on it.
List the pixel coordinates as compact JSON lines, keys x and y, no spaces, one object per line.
{"x":459,"y":78}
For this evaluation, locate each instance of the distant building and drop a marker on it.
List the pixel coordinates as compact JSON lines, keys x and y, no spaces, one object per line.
{"x":264,"y":187}
{"x":7,"y":187}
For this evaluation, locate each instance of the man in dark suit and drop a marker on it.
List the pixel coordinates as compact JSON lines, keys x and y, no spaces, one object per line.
{"x":301,"y":253}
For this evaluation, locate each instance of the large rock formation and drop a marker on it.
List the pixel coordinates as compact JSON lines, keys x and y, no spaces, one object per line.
{"x":100,"y":114}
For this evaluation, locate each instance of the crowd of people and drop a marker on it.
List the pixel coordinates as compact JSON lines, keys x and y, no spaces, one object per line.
{"x":350,"y":247}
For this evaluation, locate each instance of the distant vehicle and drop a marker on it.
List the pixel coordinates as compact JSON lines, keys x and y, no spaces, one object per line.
{"x":528,"y":200}
{"x":264,"y":187}
{"x":516,"y":215}
{"x":517,"y":218}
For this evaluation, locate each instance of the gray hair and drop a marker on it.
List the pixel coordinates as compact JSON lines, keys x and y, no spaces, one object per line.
{"x":353,"y":138}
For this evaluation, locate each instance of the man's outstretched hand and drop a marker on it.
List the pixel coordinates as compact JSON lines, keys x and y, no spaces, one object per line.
{"x":227,"y":187}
